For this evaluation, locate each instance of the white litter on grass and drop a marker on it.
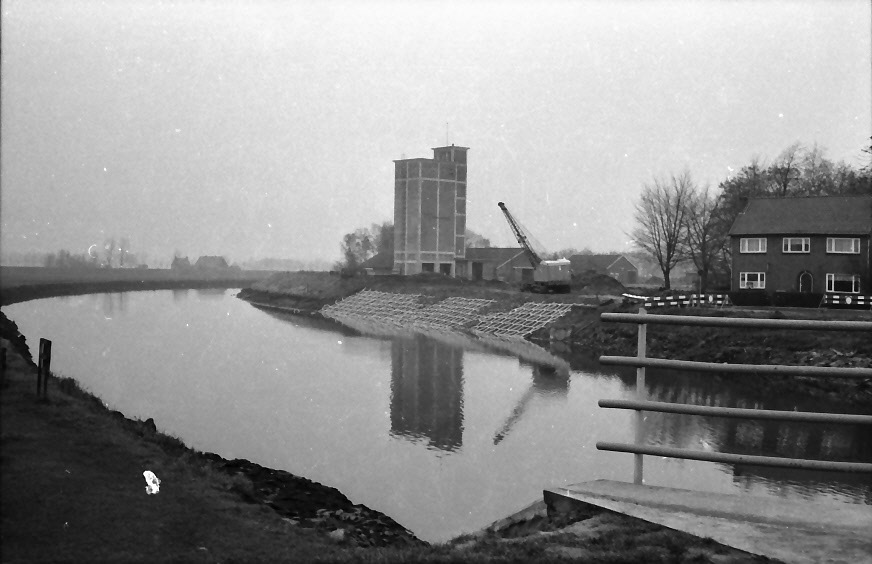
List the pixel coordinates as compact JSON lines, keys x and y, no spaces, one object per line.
{"x":152,"y":484}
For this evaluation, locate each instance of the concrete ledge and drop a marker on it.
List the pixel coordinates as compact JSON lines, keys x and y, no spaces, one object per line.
{"x":792,"y":531}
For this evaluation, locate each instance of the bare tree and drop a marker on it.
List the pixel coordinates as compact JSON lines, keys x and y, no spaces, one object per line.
{"x":384,"y":237}
{"x":109,"y":248}
{"x":784,"y":172}
{"x":817,"y":174}
{"x":123,"y":250}
{"x":474,"y":240}
{"x":661,"y":221}
{"x":706,"y":233}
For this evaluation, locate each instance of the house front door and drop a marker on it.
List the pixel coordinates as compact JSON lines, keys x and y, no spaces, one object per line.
{"x":805,"y":282}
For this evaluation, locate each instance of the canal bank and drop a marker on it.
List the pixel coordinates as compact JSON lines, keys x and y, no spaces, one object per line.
{"x":73,"y":490}
{"x":582,"y":333}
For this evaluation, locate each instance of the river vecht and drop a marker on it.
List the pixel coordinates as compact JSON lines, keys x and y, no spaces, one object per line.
{"x":444,"y":435}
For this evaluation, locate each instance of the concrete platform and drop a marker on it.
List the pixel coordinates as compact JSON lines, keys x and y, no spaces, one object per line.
{"x":791,"y":531}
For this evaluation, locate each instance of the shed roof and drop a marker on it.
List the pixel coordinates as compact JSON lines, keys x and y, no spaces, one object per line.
{"x":499,"y":255}
{"x":821,"y":215}
{"x":597,"y":263}
{"x":381,"y":260}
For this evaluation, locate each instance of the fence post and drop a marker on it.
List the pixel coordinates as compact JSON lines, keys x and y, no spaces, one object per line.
{"x":641,"y":348}
{"x":43,"y":368}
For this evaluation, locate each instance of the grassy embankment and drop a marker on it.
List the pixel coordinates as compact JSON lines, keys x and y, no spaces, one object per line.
{"x":21,"y":283}
{"x":73,"y":490}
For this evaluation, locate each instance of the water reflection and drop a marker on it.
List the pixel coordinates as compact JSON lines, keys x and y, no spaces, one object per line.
{"x":849,"y":443}
{"x":427,"y":378}
{"x":427,"y":391}
{"x":113,"y":304}
{"x":315,"y":322}
{"x":211,"y":293}
{"x":744,"y":436}
{"x":548,"y":382}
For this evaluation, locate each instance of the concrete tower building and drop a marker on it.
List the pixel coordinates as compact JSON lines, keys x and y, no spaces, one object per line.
{"x":430,"y":212}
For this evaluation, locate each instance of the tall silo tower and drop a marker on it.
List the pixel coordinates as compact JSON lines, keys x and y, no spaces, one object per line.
{"x":430,"y":212}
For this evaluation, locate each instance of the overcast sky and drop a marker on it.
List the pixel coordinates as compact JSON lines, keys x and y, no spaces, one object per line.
{"x":268,"y":128}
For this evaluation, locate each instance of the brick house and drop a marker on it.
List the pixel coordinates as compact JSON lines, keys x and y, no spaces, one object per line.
{"x":809,"y":244}
{"x":618,"y":267}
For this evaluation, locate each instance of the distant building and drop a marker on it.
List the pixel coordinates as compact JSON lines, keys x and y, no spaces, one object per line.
{"x":506,"y":264}
{"x":211,"y":263}
{"x":618,"y":267}
{"x":181,"y":263}
{"x":430,"y":212}
{"x":380,"y":265}
{"x":807,"y":244}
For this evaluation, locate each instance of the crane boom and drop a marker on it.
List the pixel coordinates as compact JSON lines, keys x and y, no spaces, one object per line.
{"x":519,"y":235}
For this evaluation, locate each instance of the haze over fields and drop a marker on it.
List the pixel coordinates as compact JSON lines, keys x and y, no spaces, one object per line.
{"x":268,"y":129}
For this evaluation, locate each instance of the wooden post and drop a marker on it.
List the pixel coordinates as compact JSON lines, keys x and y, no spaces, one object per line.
{"x":39,"y":371}
{"x":3,"y":366}
{"x":640,"y":395}
{"x":43,"y":369}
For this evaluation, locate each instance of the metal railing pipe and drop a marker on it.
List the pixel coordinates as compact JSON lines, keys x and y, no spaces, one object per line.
{"x":815,"y":371}
{"x":819,"y":325}
{"x":777,"y":462}
{"x":641,"y":395}
{"x":737,"y":412}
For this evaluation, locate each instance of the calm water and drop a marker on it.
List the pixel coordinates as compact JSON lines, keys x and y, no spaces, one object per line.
{"x":444,"y":435}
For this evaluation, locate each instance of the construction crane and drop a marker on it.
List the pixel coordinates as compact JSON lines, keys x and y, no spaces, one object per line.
{"x":548,"y":276}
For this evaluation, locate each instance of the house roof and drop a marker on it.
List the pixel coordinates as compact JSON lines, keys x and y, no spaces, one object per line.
{"x":498,"y":255}
{"x":211,"y":262}
{"x":821,"y":215}
{"x":181,"y":261}
{"x":381,"y":260}
{"x":597,"y":263}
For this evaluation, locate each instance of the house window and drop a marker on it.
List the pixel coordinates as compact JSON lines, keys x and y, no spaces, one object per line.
{"x":843,"y":245}
{"x":796,"y":245}
{"x":752,"y":245}
{"x":848,"y":283}
{"x":751,"y":280}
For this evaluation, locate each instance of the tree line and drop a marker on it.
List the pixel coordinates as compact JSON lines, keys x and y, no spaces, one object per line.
{"x":677,"y":220}
{"x":111,"y":254}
